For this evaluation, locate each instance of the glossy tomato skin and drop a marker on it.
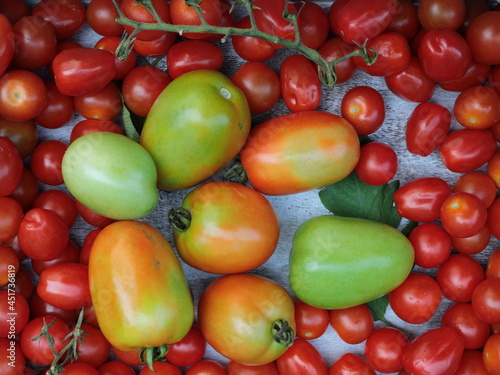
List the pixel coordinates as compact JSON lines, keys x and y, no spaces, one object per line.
{"x":475,"y":75}
{"x":482,"y":34}
{"x":89,"y":126}
{"x":220,"y":211}
{"x":352,"y":324}
{"x":138,"y":12}
{"x":23,"y":134}
{"x":313,"y":24}
{"x":441,"y":15}
{"x":364,"y":108}
{"x":477,"y":107}
{"x":235,"y":368}
{"x":462,"y":317}
{"x":302,"y":357}
{"x":465,"y":150}
{"x":105,"y":104}
{"x":269,"y":18}
{"x":421,"y":198}
{"x":189,"y":55}
{"x":384,"y":349}
{"x":183,"y":160}
{"x":463,"y":214}
{"x":300,"y":84}
{"x":7,"y":43}
{"x":350,"y":363}
{"x":437,"y":351}
{"x":5,"y":362}
{"x":152,"y":279}
{"x":82,"y":71}
{"x":11,"y":167}
{"x":405,"y":21}
{"x":432,"y":245}
{"x":188,"y":350}
{"x":286,"y":172}
{"x":426,"y":128}
{"x":311,"y":321}
{"x":250,"y":48}
{"x":378,"y":163}
{"x":122,"y":67}
{"x":491,"y":355}
{"x":46,"y":161}
{"x":334,"y":48}
{"x":101,"y":15}
{"x":182,"y":14}
{"x":225,"y":308}
{"x":65,"y":16}
{"x":485,"y":300}
{"x":58,"y":110}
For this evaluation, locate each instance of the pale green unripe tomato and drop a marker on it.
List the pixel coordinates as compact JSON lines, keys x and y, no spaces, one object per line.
{"x":112,"y":175}
{"x":338,"y":262}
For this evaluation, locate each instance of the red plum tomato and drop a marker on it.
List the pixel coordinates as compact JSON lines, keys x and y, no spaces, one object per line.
{"x":476,"y":74}
{"x":313,"y":24}
{"x":122,"y":67}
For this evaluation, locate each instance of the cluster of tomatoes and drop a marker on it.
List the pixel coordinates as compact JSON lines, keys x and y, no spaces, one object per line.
{"x":454,"y":44}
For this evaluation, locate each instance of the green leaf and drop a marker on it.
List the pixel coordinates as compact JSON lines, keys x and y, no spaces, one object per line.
{"x":409,"y":227}
{"x":128,"y":125}
{"x":378,"y":307}
{"x":353,"y":198}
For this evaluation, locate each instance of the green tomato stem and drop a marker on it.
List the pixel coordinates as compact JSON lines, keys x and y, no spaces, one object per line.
{"x":153,"y":354}
{"x":180,"y":219}
{"x":283,"y":333}
{"x":236,"y":173}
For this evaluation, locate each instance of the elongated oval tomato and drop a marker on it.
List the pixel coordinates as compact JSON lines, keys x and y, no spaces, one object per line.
{"x":300,"y":151}
{"x":139,"y":291}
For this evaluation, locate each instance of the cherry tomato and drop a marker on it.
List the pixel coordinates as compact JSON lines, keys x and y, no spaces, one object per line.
{"x":432,"y":245}
{"x":66,"y":16}
{"x":94,"y":349}
{"x":39,"y":351}
{"x":206,"y":367}
{"x":189,"y":55}
{"x":364,"y":108}
{"x":411,"y":83}
{"x":189,"y":350}
{"x":494,"y":218}
{"x":486,"y":300}
{"x":36,"y":43}
{"x":463,"y":214}
{"x":182,"y":14}
{"x":352,"y":324}
{"x":13,"y":304}
{"x":384,"y":349}
{"x":12,"y":364}
{"x":7,"y":41}
{"x":83,"y":71}
{"x":458,"y":277}
{"x":475,"y":75}
{"x":122,"y":67}
{"x":477,"y":183}
{"x":88,"y":126}
{"x":260,"y":84}
{"x":115,"y":368}
{"x":437,"y":351}
{"x":250,"y":48}
{"x":405,"y":21}
{"x":493,"y":169}
{"x":491,"y":354}
{"x":493,"y":265}
{"x":101,"y":16}
{"x":378,"y":163}
{"x":42,"y":234}
{"x":22,"y":95}
{"x":477,"y":107}
{"x":300,"y":84}
{"x":471,"y":363}
{"x":335,"y":48}
{"x":27,"y":189}
{"x":156,"y":47}
{"x":393,"y":54}
{"x":482,"y":34}
{"x":420,"y":199}
{"x":465,"y":150}
{"x":350,"y":364}
{"x":426,"y":128}
{"x":473,"y":330}
{"x":87,"y":245}
{"x":70,"y":254}
{"x":311,"y":321}
{"x":11,"y":167}
{"x":105,"y":104}
{"x":141,"y":87}
{"x":440,"y":15}
{"x":132,"y":358}
{"x":24,"y":281}
{"x":92,"y":217}
{"x":473,"y":244}
{"x":235,"y":368}
{"x":138,"y":12}
{"x":302,"y":357}
{"x":58,"y":110}
{"x":46,"y":161}
{"x":23,"y":134}
{"x":313,"y":24}
{"x":444,"y":54}
{"x":9,"y":264}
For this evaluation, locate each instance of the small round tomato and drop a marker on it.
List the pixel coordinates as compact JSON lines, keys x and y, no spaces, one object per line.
{"x":105,"y":104}
{"x":405,"y":21}
{"x":458,"y":277}
{"x":349,"y":364}
{"x":302,"y":357}
{"x":115,"y":367}
{"x":89,"y":126}
{"x":60,"y":202}
{"x":23,"y":134}
{"x":485,"y":300}
{"x":491,"y":354}
{"x":471,"y":363}
{"x":188,"y":350}
{"x":46,"y":161}
{"x":183,"y":14}
{"x":432,"y":245}
{"x":92,"y":217}
{"x":27,"y":189}
{"x":465,"y":150}
{"x":477,"y":107}
{"x":411,"y":83}
{"x":311,"y":321}
{"x":70,"y":254}
{"x":66,"y":16}
{"x":269,"y":17}
{"x":7,"y":41}
{"x":473,"y":244}
{"x":22,"y":95}
{"x":101,"y":16}
{"x":439,"y":15}
{"x":482,"y":34}
{"x":84,"y":255}
{"x":250,"y":48}
{"x":426,"y":128}
{"x":462,"y":317}
{"x":38,"y":307}
{"x":463,"y":214}
{"x":416,"y":300}
{"x":477,"y":183}
{"x":94,"y":349}
{"x":260,"y":84}
{"x":313,"y":24}
{"x":7,"y":346}
{"x":384,"y":349}
{"x":232,"y":303}
{"x":138,"y":12}
{"x":420,"y":199}
{"x":335,"y":48}
{"x":122,"y":67}
{"x":352,"y":324}
{"x":157,"y":47}
{"x":494,"y":218}
{"x":58,"y":110}
{"x":377,"y":165}
{"x":189,"y":55}
{"x":11,"y":167}
{"x":364,"y":108}
{"x":13,"y":304}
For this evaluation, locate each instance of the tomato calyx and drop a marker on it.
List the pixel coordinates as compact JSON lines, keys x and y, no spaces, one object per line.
{"x":180,"y":219}
{"x":283,"y":333}
{"x":236,"y":173}
{"x":153,"y":354}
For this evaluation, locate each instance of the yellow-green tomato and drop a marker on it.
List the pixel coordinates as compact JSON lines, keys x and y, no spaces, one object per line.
{"x":338,"y":262}
{"x":139,"y":290}
{"x":196,"y":126}
{"x":112,"y":175}
{"x":224,"y":227}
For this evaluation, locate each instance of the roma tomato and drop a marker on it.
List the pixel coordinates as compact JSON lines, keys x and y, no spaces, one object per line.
{"x":300,"y":84}
{"x":235,"y":318}
{"x":483,"y":36}
{"x":313,"y":24}
{"x":218,"y":114}
{"x":420,"y":199}
{"x":302,"y":357}
{"x":122,"y":67}
{"x":352,"y":324}
{"x":364,"y":108}
{"x":209,"y":224}
{"x":341,"y":247}
{"x":189,"y":55}
{"x":92,"y":169}
{"x":426,"y":128}
{"x":437,"y":351}
{"x":377,"y":165}
{"x":279,"y":162}
{"x":463,"y":214}
{"x":144,"y":279}
{"x":82,"y":71}
{"x":311,"y":321}
{"x":432,"y":245}
{"x":7,"y":43}
{"x":465,"y":150}
{"x":476,"y":74}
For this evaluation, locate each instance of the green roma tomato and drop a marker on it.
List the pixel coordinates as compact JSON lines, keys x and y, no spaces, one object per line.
{"x":338,"y":262}
{"x":300,"y":151}
{"x":196,"y":126}
{"x":111,"y":175}
{"x":139,"y":291}
{"x":224,"y":227}
{"x":247,"y":318}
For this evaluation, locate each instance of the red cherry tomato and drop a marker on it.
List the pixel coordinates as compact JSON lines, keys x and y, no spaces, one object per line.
{"x":384,"y":349}
{"x":101,"y":16}
{"x":7,"y":42}
{"x":440,"y":15}
{"x":352,"y":324}
{"x":431,"y":243}
{"x":94,"y":349}
{"x":156,"y":47}
{"x":115,"y":368}
{"x":350,"y":364}
{"x":463,"y":214}
{"x":483,"y":33}
{"x":182,"y":14}
{"x":205,"y":367}
{"x":105,"y":104}
{"x":60,"y":202}
{"x":92,"y":217}
{"x":493,"y":169}
{"x":486,"y":300}
{"x":58,"y":110}
{"x":46,"y":161}
{"x":405,"y":21}
{"x":189,"y":350}
{"x":11,"y":167}
{"x":377,"y":165}
{"x":250,"y":48}
{"x":89,"y":126}
{"x":302,"y":357}
{"x":494,"y":218}
{"x":311,"y":322}
{"x":235,"y":368}
{"x":335,"y":48}
{"x":66,"y":16}
{"x":122,"y":67}
{"x":70,"y":254}
{"x":364,"y":108}
{"x":27,"y":189}
{"x":477,"y":183}
{"x":473,"y":244}
{"x":23,"y":134}
{"x":138,"y":12}
{"x":491,"y":356}
{"x":269,"y":18}
{"x":313,"y":24}
{"x":9,"y":264}
{"x":477,"y":107}
{"x":475,"y":75}
{"x":13,"y":304}
{"x":189,"y":55}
